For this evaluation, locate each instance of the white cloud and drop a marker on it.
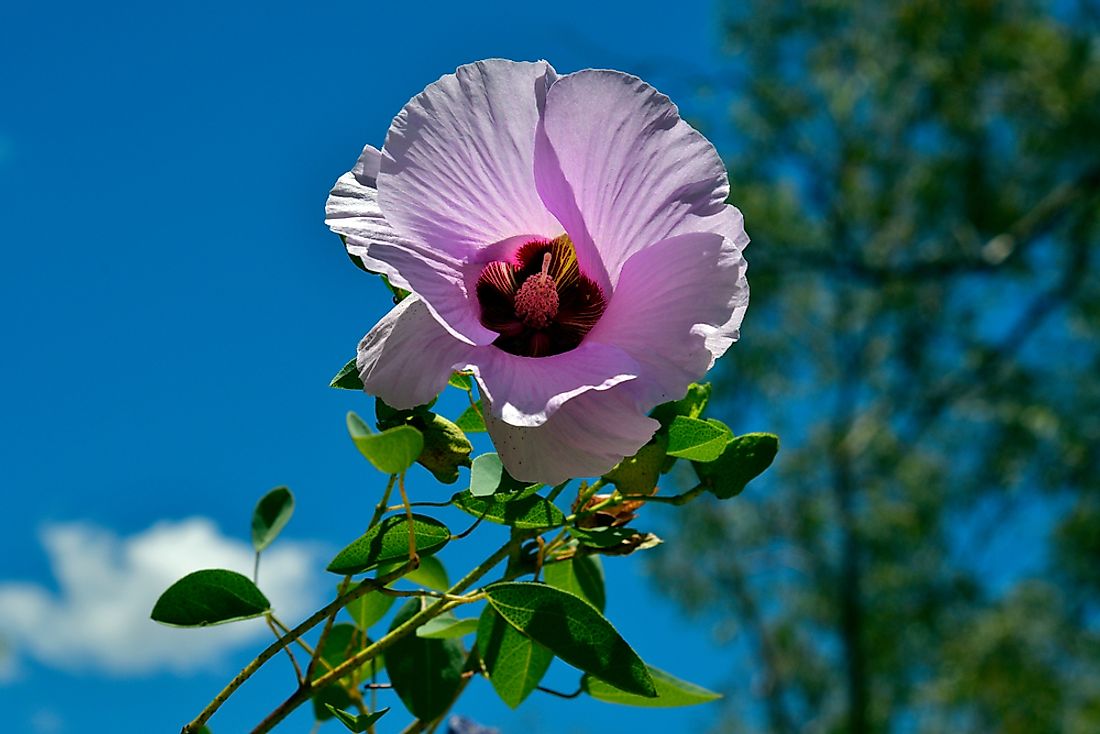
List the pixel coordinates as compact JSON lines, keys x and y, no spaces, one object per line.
{"x":107,"y":585}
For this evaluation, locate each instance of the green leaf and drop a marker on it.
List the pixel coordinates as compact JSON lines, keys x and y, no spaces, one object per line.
{"x":271,"y":515}
{"x":342,"y":642}
{"x":485,"y":475}
{"x":461,"y":380}
{"x":581,"y":576}
{"x":359,"y":722}
{"x":690,"y":406}
{"x":638,"y":474}
{"x":745,"y":458}
{"x":471,"y":420}
{"x":446,"y":447}
{"x":671,"y":691}
{"x":446,"y":626}
{"x":515,"y":662}
{"x":369,"y":608}
{"x":425,"y":674}
{"x":691,"y":438}
{"x":574,"y":630}
{"x":521,"y":512}
{"x":602,"y":537}
{"x":347,"y":378}
{"x":431,"y":574}
{"x":389,"y":541}
{"x":392,"y":451}
{"x":212,"y":596}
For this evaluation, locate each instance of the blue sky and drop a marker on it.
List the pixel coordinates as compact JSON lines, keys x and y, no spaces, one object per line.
{"x":174,"y":306}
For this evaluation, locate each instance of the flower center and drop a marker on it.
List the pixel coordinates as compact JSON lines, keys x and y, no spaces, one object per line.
{"x":539,"y":302}
{"x":537,"y":299}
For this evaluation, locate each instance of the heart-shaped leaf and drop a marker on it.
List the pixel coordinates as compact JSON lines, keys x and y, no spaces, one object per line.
{"x":211,"y":596}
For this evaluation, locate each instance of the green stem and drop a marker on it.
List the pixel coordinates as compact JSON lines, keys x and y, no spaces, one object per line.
{"x":302,"y":695}
{"x":316,"y":618}
{"x":380,"y":508}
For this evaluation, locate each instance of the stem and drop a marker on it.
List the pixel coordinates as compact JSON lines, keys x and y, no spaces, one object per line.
{"x":553,"y":495}
{"x":316,"y":618}
{"x":324,"y":632}
{"x":301,"y":695}
{"x":256,"y":569}
{"x":409,"y":515}
{"x":380,"y":508}
{"x":289,"y":653}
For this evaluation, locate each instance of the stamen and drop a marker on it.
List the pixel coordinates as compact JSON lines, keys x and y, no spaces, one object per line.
{"x":537,"y":298}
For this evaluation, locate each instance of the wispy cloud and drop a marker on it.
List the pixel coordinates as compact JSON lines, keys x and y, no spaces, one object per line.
{"x":99,"y":617}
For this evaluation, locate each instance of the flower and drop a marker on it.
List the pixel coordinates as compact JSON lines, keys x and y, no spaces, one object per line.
{"x":565,"y":238}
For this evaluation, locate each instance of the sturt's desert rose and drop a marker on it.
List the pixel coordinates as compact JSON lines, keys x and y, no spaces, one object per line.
{"x":565,"y":238}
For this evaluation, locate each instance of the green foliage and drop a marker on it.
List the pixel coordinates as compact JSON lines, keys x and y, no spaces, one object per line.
{"x":573,"y":630}
{"x":520,"y":510}
{"x":697,"y":440}
{"x":369,"y":608}
{"x":639,"y":474}
{"x":425,"y":673}
{"x":581,"y":576}
{"x":430,"y":574}
{"x":691,"y":405}
{"x":446,"y":447}
{"x":515,"y":662}
{"x":671,"y":691}
{"x":389,"y":541}
{"x":472,"y":420}
{"x":357,"y":722}
{"x":271,"y":515}
{"x":212,"y":596}
{"x":461,"y":381}
{"x":392,"y":451}
{"x":342,"y":642}
{"x":347,"y":378}
{"x":744,"y":458}
{"x":446,"y":626}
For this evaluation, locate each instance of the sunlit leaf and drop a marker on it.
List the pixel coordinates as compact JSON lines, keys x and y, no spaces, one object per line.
{"x":446,"y":626}
{"x":671,"y":691}
{"x":697,"y":440}
{"x":515,"y":662}
{"x":581,"y":575}
{"x":211,"y":596}
{"x":522,"y":512}
{"x":471,"y":420}
{"x":356,"y":722}
{"x":389,"y":541}
{"x":391,"y":451}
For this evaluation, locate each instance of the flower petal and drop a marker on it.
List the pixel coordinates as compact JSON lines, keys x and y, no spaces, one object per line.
{"x":352,"y":211}
{"x":526,"y":391}
{"x":457,"y":170}
{"x":407,"y":358}
{"x":637,"y":172}
{"x":586,"y":437}
{"x":677,"y":308}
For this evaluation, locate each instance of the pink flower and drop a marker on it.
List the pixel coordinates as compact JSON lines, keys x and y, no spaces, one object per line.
{"x":565,"y":238}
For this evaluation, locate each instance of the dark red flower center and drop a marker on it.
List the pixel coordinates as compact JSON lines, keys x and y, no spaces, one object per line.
{"x":540,"y":303}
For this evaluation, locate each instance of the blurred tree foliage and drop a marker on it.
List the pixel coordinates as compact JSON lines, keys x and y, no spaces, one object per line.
{"x":921,"y":180}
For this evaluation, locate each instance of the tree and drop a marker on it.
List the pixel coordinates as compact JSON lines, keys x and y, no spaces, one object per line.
{"x":921,"y":180}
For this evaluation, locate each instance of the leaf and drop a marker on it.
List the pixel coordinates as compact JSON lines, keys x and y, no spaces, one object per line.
{"x":446,"y":626}
{"x":639,"y":473}
{"x":572,"y":629}
{"x":342,"y":642}
{"x":392,"y":451}
{"x":425,"y":674}
{"x":690,"y":406}
{"x":603,"y":537}
{"x":471,"y":420}
{"x":671,"y":691}
{"x":461,"y":380}
{"x":745,"y":458}
{"x":347,"y":378}
{"x":581,"y":576}
{"x":271,"y":515}
{"x":485,"y":475}
{"x":524,"y":513}
{"x":515,"y":662}
{"x":369,"y":608}
{"x":691,"y":438}
{"x":212,"y":596}
{"x":359,"y":722}
{"x":446,"y":447}
{"x":389,"y":541}
{"x":431,"y":574}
